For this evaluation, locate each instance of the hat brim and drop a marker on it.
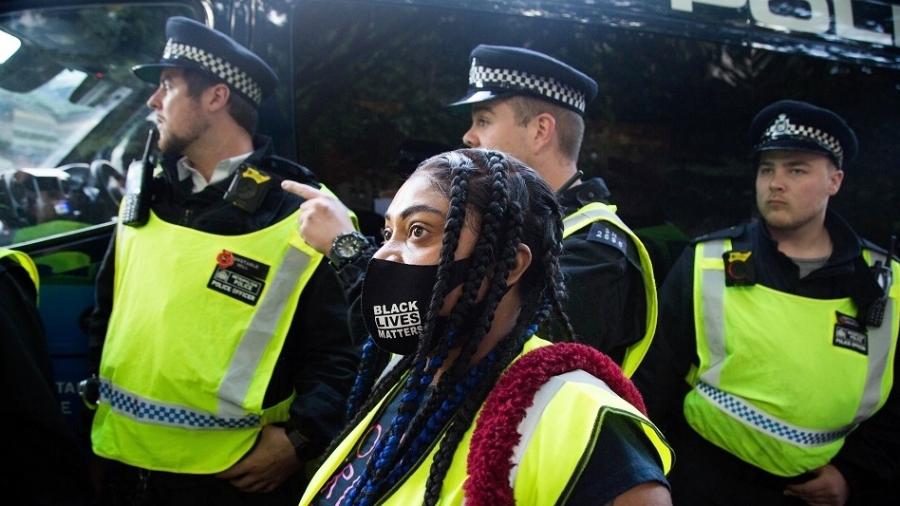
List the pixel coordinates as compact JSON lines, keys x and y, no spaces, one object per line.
{"x":149,"y":72}
{"x":477,"y":96}
{"x":796,"y":145}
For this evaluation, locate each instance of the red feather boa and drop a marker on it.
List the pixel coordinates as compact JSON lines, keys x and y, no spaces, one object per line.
{"x":496,"y":430}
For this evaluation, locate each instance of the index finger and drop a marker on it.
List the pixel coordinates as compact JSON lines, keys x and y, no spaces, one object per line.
{"x":302,"y":190}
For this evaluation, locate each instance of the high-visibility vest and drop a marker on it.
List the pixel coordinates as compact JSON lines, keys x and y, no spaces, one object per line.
{"x":570,"y":404}
{"x":197,"y":325}
{"x":594,"y":212}
{"x":25,"y":262}
{"x":777,"y":385}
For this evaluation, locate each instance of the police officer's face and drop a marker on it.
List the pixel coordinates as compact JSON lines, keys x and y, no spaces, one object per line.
{"x":179,"y":117}
{"x":494,"y":126}
{"x":414,"y":229}
{"x":793,"y":187}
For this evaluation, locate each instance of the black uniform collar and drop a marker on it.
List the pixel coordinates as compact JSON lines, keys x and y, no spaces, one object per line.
{"x":844,"y":257}
{"x":580,"y":195}
{"x":847,"y":245}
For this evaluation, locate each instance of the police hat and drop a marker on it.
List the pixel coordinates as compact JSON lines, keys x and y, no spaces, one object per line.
{"x":194,"y":45}
{"x":794,"y":125}
{"x":500,"y":71}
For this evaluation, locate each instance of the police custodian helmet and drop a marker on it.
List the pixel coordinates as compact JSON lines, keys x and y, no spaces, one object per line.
{"x":193,"y":45}
{"x":801,"y":126}
{"x":501,"y":71}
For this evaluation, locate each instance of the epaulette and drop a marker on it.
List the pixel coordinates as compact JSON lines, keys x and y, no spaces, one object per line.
{"x":287,"y":169}
{"x":725,"y":233}
{"x":876,"y":248}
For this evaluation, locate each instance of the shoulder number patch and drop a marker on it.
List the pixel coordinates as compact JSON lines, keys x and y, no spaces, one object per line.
{"x":238,"y":277}
{"x":605,"y":234}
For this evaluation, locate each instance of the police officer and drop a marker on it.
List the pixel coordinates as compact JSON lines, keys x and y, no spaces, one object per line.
{"x":225,"y":355}
{"x":46,"y":465}
{"x":531,"y":106}
{"x":772,"y":371}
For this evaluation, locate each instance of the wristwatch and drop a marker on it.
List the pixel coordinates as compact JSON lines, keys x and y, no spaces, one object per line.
{"x":346,"y":248}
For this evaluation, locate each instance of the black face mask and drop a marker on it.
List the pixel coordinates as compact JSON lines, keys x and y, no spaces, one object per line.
{"x":395,"y":300}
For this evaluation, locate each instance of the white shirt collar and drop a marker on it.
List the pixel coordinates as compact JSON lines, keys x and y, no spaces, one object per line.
{"x":223,"y":170}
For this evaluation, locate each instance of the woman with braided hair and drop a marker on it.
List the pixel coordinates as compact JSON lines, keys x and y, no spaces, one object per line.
{"x":474,"y":406}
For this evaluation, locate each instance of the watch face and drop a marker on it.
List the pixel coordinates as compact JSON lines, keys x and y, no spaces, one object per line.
{"x":347,"y":246}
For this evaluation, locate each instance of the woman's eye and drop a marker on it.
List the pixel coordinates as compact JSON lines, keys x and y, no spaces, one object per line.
{"x":416,"y":231}
{"x":386,"y":234}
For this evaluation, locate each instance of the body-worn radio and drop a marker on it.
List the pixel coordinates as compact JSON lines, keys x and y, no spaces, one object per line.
{"x":136,"y":203}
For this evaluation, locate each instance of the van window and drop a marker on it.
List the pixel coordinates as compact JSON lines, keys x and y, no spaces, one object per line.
{"x":69,"y":102}
{"x":667,"y":131}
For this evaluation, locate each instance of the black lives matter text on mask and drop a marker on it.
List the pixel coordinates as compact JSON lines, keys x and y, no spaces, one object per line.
{"x":398,"y":320}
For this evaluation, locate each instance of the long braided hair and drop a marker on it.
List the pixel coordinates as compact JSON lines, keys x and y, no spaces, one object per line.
{"x":508,"y":204}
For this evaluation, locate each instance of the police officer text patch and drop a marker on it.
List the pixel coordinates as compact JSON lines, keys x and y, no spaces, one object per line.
{"x":849,"y":333}
{"x":238,"y":277}
{"x":611,"y":236}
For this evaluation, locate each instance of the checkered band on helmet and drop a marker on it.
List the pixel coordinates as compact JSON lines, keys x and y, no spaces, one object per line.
{"x":480,"y":76}
{"x":235,"y":77}
{"x":782,"y":127}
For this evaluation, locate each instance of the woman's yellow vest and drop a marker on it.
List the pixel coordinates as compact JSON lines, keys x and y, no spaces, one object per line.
{"x":558,"y":434}
{"x":780,"y":381}
{"x":596,"y":211}
{"x":25,"y":262}
{"x":198,"y":322}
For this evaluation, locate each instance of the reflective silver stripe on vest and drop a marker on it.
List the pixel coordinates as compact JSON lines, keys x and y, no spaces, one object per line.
{"x":712,"y":295}
{"x":582,"y":218}
{"x":778,"y":429}
{"x":255,"y":340}
{"x":542,"y":398}
{"x":145,"y":410}
{"x":880,"y":340}
{"x":714,"y":311}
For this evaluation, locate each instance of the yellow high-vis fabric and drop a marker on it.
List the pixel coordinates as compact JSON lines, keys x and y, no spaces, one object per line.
{"x":198,"y":323}
{"x":780,"y":384}
{"x":25,"y":262}
{"x":597,"y":211}
{"x":544,"y":465}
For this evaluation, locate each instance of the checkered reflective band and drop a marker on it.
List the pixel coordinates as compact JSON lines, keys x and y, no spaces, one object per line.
{"x":783,"y":127}
{"x":235,"y":77}
{"x":749,"y":415}
{"x":481,"y":76}
{"x":147,"y":411}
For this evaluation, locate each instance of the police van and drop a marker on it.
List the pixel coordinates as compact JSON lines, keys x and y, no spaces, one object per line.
{"x":363,"y":94}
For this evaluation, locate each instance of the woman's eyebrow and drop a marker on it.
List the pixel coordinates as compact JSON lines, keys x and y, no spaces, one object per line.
{"x":418,"y":208}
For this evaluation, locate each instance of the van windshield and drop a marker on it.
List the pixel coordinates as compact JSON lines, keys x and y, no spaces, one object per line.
{"x":46,"y":125}
{"x":69,"y":101}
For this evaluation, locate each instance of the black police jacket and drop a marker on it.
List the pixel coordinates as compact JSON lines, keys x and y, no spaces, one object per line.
{"x":49,"y":467}
{"x":318,"y":360}
{"x":605,"y":289}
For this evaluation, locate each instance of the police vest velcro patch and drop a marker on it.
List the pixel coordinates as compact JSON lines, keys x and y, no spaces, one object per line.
{"x":238,"y":277}
{"x":605,"y":234}
{"x":849,"y":333}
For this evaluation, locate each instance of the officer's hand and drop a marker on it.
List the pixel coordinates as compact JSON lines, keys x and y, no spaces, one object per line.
{"x":323,"y":216}
{"x":828,"y":488}
{"x":271,"y":461}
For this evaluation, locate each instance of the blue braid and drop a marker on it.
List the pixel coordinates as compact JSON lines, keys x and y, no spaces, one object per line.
{"x":364,"y":380}
{"x":438,"y":420}
{"x":384,"y":453}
